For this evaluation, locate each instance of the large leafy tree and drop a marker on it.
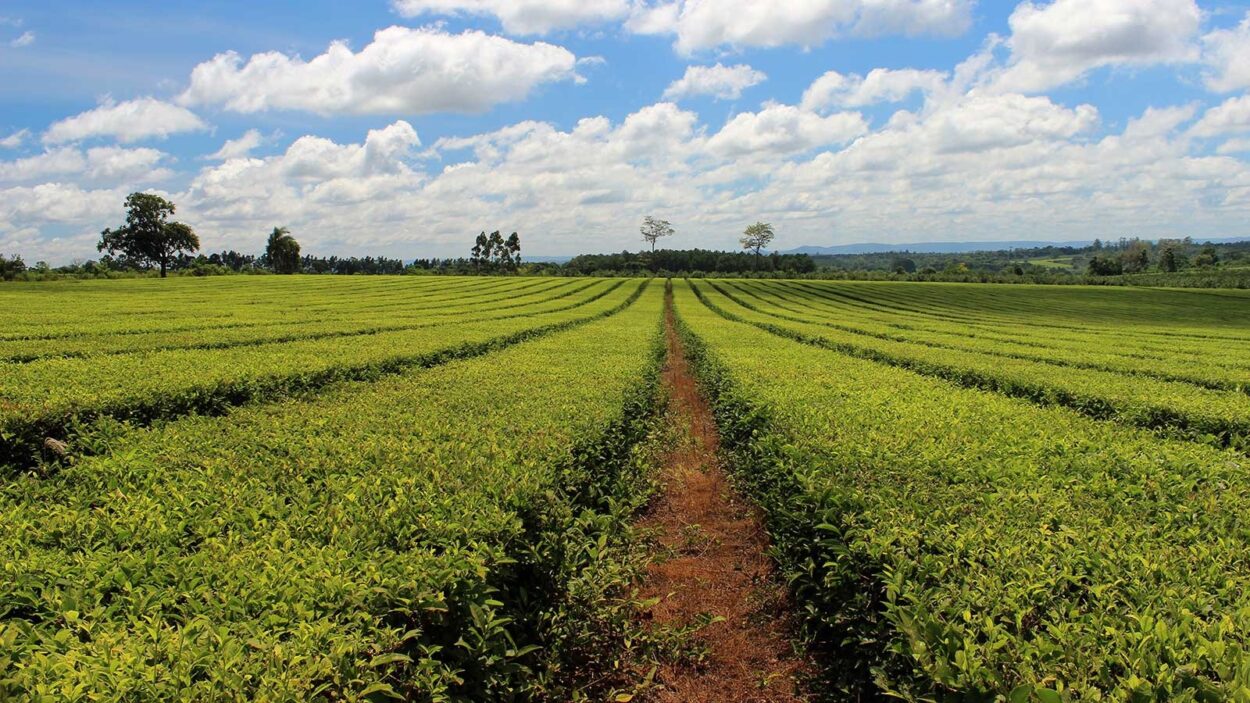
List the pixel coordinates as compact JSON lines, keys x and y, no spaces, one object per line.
{"x":756,"y":237}
{"x":148,"y":237}
{"x":282,"y":251}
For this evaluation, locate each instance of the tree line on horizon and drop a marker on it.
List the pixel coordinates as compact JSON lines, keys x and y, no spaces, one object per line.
{"x":150,"y":241}
{"x":1132,"y":256}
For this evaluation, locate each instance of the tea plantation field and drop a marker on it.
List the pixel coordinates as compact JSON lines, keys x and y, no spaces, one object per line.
{"x":403,"y":488}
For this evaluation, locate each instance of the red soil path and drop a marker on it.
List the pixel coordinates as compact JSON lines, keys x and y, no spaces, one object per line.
{"x":719,"y":566}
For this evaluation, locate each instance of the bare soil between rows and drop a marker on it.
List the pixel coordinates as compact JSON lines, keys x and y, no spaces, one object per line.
{"x":717,"y":564}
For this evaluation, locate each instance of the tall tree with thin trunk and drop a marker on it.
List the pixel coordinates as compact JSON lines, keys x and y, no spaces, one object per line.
{"x":282,"y":251}
{"x":655,"y":229}
{"x":756,"y":237}
{"x":148,"y":237}
{"x":513,"y":247}
{"x":481,"y":252}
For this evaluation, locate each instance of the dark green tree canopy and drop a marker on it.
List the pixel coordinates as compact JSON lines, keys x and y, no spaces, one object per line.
{"x":1169,"y":261}
{"x":148,"y":237}
{"x":491,"y":252}
{"x":1207,"y":257}
{"x":282,"y":251}
{"x":10,"y":267}
{"x":1105,"y":266}
{"x":513,"y":247}
{"x":902,"y":264}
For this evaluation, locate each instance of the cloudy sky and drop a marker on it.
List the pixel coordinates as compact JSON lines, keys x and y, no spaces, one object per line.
{"x":404,"y":127}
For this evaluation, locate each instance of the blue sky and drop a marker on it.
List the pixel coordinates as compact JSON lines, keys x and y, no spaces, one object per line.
{"x":569,"y":120}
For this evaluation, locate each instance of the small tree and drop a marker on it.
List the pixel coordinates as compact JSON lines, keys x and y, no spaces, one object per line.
{"x":148,"y":236}
{"x":756,"y":237}
{"x":1136,"y":257}
{"x":654,"y":229}
{"x":1105,"y":266}
{"x":11,"y":267}
{"x":902,"y":264}
{"x":282,"y":251}
{"x":1207,"y":258}
{"x":1168,"y":261}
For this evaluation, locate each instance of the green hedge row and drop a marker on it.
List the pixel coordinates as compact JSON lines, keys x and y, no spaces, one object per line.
{"x":949,"y":544}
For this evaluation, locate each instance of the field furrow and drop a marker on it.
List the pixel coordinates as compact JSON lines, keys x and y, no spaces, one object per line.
{"x":1212,"y":416}
{"x":449,"y":533}
{"x":361,"y":321}
{"x":47,"y":398}
{"x":952,"y":544}
{"x":796,"y":308}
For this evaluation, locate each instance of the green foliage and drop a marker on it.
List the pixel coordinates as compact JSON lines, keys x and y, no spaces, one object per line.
{"x":757,"y":236}
{"x":493,"y":254}
{"x":1105,"y":266}
{"x":688,"y":261}
{"x":1125,"y":262}
{"x":10,"y":267}
{"x":1169,"y":260}
{"x":1207,"y":258}
{"x":1211,"y":407}
{"x":952,"y":544}
{"x":433,"y":535}
{"x":148,"y":236}
{"x":1135,"y":258}
{"x":282,"y":251}
{"x":198,"y":364}
{"x":422,"y":489}
{"x":903,"y":264}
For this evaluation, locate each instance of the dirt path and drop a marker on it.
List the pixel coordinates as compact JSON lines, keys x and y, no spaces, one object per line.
{"x":719,"y":565}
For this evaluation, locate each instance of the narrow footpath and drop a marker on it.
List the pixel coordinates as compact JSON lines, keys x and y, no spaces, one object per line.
{"x":717,"y":565}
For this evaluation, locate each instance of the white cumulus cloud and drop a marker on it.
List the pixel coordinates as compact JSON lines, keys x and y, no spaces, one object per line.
{"x":403,"y":71}
{"x":523,"y":16}
{"x":129,"y":121}
{"x":15,"y":140}
{"x":1235,"y":146}
{"x":1059,"y":42}
{"x":719,"y":81}
{"x":707,"y":24}
{"x":784,"y":129}
{"x":1230,"y":117}
{"x":881,"y":85}
{"x":25,"y":40}
{"x":383,"y":152}
{"x":238,"y":148}
{"x":981,"y":123}
{"x":59,"y":203}
{"x":103,"y":164}
{"x":1227,"y":55}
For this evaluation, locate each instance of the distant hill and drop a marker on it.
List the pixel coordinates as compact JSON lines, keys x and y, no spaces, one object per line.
{"x":958,"y":247}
